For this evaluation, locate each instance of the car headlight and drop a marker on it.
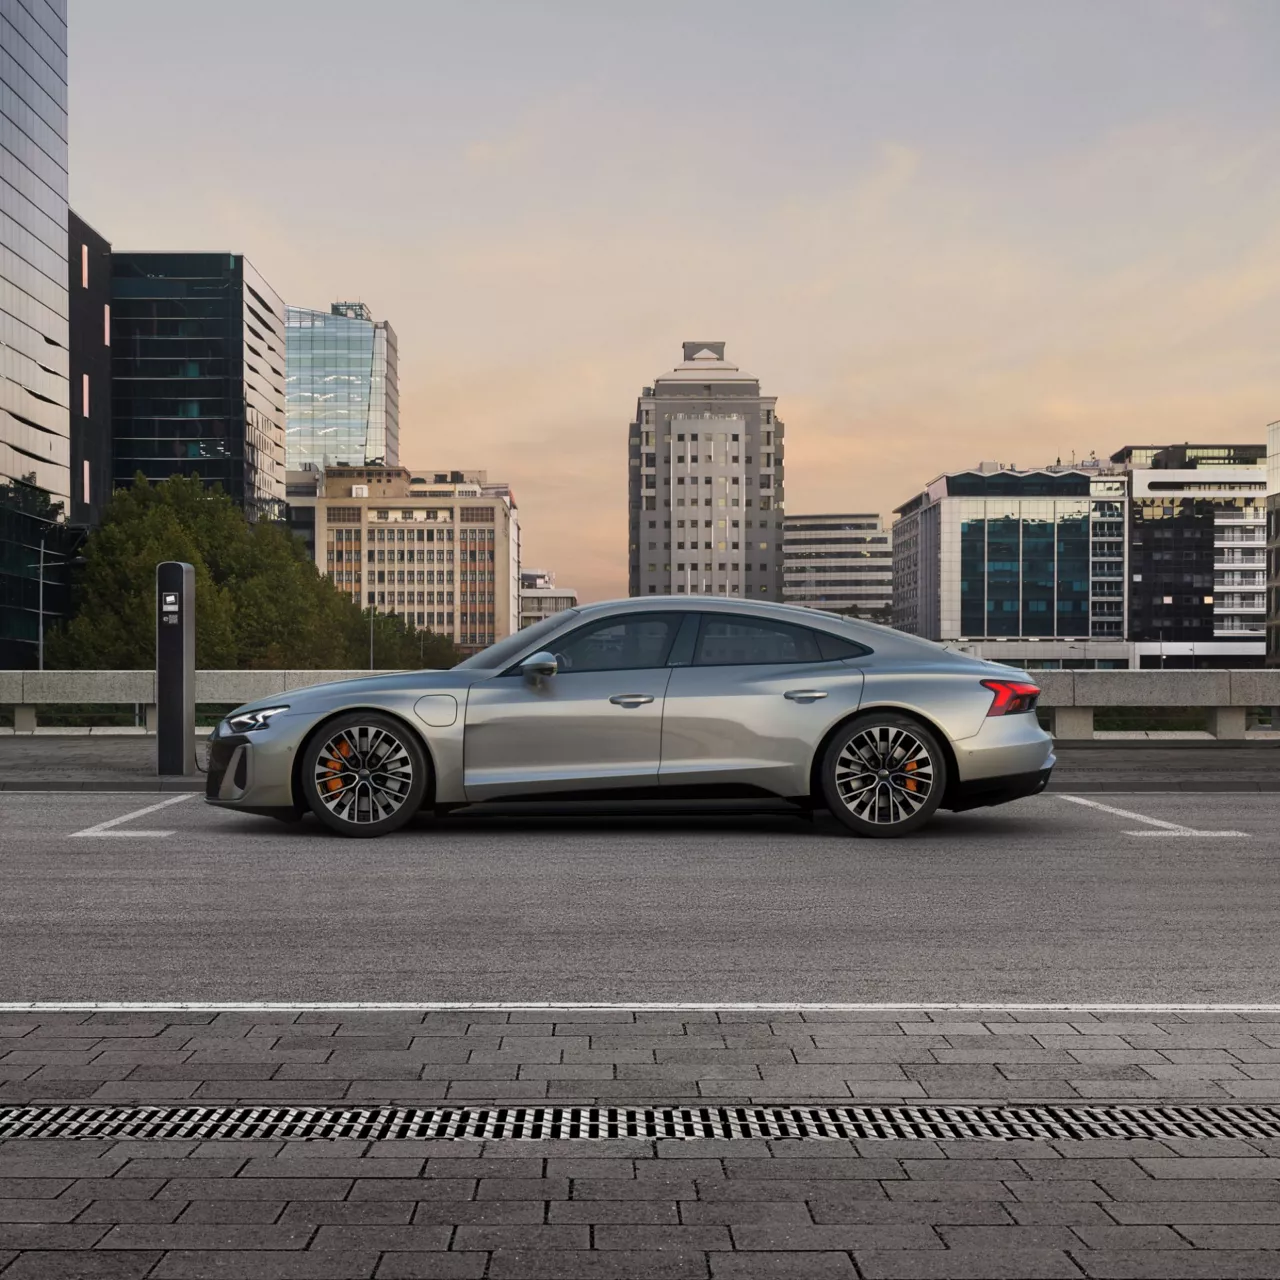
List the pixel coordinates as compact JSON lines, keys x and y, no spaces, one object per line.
{"x":248,"y":721}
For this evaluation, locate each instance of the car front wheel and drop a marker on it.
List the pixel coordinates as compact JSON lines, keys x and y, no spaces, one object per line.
{"x":364,"y":774}
{"x":883,"y":775}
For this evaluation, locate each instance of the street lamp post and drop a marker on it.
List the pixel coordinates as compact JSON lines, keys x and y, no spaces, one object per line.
{"x":40,"y":605}
{"x":67,"y":561}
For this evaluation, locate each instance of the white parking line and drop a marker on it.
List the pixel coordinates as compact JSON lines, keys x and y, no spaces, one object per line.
{"x":103,"y":830}
{"x":1163,"y":828}
{"x":637,"y":1006}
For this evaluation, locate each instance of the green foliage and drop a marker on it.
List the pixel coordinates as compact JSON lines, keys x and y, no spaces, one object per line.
{"x":260,"y":603}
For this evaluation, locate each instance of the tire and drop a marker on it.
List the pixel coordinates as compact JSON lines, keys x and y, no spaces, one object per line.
{"x":871,"y":775}
{"x":366,"y":802}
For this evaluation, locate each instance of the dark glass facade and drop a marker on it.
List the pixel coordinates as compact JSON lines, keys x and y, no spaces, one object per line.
{"x":1025,"y":553}
{"x":89,"y":262}
{"x":34,"y":415}
{"x":1171,"y":566}
{"x":1024,"y":570}
{"x":198,"y":369}
{"x":342,"y":389}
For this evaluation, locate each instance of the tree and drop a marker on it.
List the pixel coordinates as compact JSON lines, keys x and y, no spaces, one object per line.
{"x":259,"y":600}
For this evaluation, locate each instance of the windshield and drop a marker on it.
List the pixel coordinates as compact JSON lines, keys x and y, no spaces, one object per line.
{"x":500,"y":654}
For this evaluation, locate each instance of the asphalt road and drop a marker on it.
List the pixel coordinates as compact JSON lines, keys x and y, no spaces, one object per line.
{"x":1044,"y":900}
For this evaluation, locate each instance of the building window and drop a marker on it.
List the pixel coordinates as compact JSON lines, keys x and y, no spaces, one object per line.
{"x":84,"y":266}
{"x":84,"y":395}
{"x":106,"y":324}
{"x":86,"y":480}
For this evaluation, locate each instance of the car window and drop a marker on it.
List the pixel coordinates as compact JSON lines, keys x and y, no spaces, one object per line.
{"x":498,"y":655}
{"x":619,"y":644}
{"x":835,"y":648}
{"x":736,"y":641}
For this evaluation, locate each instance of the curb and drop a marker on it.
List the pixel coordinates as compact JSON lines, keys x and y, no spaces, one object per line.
{"x":102,"y":784}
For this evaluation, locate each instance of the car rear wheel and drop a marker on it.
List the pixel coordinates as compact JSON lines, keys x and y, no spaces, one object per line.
{"x":364,"y":774}
{"x":883,"y":775}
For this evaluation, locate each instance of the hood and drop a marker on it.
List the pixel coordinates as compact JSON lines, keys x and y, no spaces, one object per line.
{"x":354,"y":690}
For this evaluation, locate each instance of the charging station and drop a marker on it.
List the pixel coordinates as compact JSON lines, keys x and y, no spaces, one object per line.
{"x":175,"y":669}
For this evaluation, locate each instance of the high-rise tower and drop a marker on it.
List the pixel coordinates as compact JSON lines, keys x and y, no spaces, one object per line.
{"x":706,"y":483}
{"x":342,"y":389}
{"x":35,"y":446}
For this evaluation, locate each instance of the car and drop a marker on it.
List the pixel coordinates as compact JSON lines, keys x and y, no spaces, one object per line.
{"x":647,"y":699}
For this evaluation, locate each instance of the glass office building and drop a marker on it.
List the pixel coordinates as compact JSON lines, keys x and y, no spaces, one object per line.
{"x":198,"y":369}
{"x":342,"y":389}
{"x":35,"y":451}
{"x":1003,"y":554}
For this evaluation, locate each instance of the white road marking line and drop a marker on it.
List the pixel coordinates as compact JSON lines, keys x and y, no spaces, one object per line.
{"x":638,"y":1006}
{"x":1165,"y":828}
{"x":104,"y":829}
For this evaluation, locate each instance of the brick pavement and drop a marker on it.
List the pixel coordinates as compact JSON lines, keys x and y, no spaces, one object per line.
{"x":920,"y":1208}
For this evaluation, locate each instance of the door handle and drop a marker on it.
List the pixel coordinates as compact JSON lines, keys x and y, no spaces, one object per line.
{"x":631,"y":699}
{"x":804,"y":695}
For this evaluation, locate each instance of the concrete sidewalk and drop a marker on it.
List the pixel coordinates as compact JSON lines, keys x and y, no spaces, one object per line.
{"x":613,"y":1208}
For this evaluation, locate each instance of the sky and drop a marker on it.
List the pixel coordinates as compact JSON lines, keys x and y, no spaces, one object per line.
{"x":937,"y":232}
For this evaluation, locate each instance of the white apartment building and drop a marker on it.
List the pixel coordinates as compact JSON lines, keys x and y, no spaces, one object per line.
{"x":842,"y":563}
{"x":440,"y":549}
{"x":540,"y":597}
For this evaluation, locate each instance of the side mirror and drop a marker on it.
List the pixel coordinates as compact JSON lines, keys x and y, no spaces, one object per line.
{"x":539,"y":666}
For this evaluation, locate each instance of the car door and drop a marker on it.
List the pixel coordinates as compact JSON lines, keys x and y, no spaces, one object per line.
{"x":754,"y":701}
{"x":594,"y":725}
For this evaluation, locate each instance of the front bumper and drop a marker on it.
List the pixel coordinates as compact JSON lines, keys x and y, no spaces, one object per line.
{"x":230,"y":760}
{"x":252,"y":773}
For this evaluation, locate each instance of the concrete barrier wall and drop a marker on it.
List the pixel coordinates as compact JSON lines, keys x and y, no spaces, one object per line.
{"x":1251,"y":688}
{"x":1070,"y":696}
{"x":34,"y":687}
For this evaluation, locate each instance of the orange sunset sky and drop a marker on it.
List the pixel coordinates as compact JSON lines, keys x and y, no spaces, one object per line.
{"x":938,"y":232}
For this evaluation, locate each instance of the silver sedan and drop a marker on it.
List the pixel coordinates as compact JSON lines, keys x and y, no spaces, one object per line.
{"x":645,"y":699}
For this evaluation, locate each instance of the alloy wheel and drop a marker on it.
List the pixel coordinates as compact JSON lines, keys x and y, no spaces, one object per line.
{"x":364,"y":774}
{"x":884,"y":774}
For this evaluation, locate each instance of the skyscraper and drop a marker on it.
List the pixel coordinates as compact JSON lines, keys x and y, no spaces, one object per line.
{"x":705,"y":483}
{"x":198,"y":367}
{"x":342,"y":388}
{"x":35,"y":450}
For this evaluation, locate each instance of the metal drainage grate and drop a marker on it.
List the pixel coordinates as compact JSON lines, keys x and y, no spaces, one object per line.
{"x":998,"y":1123}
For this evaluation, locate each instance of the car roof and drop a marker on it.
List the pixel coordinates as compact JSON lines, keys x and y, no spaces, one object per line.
{"x":877,"y":637}
{"x":708,"y":604}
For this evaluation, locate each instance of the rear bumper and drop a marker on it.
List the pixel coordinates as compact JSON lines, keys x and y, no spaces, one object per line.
{"x":1004,"y":747}
{"x":988,"y":791}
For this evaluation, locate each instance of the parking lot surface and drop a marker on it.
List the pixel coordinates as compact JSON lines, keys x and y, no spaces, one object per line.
{"x":1046,"y":899}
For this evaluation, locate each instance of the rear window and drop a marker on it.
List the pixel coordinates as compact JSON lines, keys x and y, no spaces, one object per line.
{"x":742,"y":641}
{"x":834,"y":648}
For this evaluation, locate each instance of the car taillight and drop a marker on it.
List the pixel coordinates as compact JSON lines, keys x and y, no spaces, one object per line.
{"x":1011,"y":696}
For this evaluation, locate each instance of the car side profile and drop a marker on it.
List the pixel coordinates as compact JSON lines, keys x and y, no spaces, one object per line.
{"x":650,"y":698}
